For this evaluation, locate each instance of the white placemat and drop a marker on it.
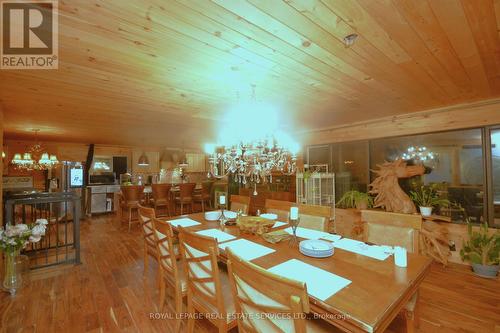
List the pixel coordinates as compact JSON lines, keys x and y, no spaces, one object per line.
{"x":183,"y":222}
{"x":352,"y":245}
{"x":320,"y":283}
{"x":246,"y":249}
{"x":221,"y":236}
{"x":279,"y":224}
{"x":307,"y":233}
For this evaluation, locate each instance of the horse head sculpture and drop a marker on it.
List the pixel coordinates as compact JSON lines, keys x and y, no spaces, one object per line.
{"x":390,"y":196}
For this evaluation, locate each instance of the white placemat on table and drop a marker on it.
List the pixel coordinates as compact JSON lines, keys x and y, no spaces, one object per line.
{"x":183,"y":222}
{"x":279,"y":224}
{"x":320,"y":283}
{"x":372,"y":251}
{"x":246,"y":249}
{"x":307,"y":233}
{"x":331,"y":237}
{"x":221,"y":236}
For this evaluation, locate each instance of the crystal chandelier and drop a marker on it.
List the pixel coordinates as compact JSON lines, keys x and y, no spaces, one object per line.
{"x":35,"y":158}
{"x":420,"y":154}
{"x":252,"y":161}
{"x":251,"y":145}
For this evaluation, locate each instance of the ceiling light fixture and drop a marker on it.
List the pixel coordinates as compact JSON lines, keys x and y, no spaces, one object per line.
{"x":143,"y":160}
{"x":350,"y":39}
{"x":251,"y":147}
{"x":35,"y":158}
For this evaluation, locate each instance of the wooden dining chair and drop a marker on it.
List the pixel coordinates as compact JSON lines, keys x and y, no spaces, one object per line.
{"x":207,"y":284}
{"x":395,"y":229}
{"x":284,"y":301}
{"x":315,"y":217}
{"x":185,"y":197}
{"x":240,"y":202}
{"x":171,"y":271}
{"x":161,"y":197}
{"x":280,"y":208}
{"x":205,"y":196}
{"x":132,"y":198}
{"x":146,"y":216}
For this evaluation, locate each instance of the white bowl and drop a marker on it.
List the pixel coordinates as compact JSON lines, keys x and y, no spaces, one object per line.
{"x":215,"y":215}
{"x":269,"y":216}
{"x":212,"y":216}
{"x":230,"y":215}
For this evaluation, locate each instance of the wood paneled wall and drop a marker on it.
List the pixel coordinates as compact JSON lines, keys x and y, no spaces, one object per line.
{"x":442,"y":119}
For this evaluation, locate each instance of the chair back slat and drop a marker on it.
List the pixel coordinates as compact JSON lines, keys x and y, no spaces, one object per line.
{"x":280,"y":208}
{"x":240,"y":202}
{"x":199,"y":254}
{"x":394,"y":229}
{"x":164,"y":237}
{"x":146,"y":216}
{"x":315,"y":217}
{"x":132,"y":193}
{"x":250,"y":285}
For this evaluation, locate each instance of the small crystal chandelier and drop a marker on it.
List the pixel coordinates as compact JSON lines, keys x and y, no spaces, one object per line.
{"x":419,"y":154}
{"x":29,"y":161}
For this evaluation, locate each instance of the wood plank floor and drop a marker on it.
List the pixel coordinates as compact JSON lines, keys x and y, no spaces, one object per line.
{"x":108,"y":293}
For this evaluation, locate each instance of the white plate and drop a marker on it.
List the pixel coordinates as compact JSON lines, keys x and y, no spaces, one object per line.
{"x":269,"y":216}
{"x":316,"y":245}
{"x":212,"y":216}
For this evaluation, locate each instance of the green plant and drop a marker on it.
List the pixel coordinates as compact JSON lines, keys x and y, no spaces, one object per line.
{"x":428,"y":197}
{"x":353,"y":199}
{"x":481,"y":248}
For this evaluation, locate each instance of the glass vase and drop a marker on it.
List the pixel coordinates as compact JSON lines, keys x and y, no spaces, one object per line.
{"x":12,"y":280}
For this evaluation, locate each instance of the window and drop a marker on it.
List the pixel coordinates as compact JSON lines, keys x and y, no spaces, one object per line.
{"x":454,"y":167}
{"x":495,"y":173}
{"x":350,"y":164}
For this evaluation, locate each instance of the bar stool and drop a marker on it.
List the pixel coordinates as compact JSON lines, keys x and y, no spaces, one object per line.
{"x":161,"y":197}
{"x":205,"y":195}
{"x":132,"y":197}
{"x":185,"y":196}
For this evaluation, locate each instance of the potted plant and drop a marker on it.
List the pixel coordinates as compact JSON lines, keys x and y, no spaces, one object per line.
{"x":482,"y":251}
{"x":348,"y":213}
{"x":355,"y":199}
{"x":426,"y":198}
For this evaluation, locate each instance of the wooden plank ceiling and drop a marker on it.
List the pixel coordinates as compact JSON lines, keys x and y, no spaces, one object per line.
{"x":159,"y":72}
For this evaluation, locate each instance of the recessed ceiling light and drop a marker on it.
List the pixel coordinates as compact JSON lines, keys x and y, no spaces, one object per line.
{"x":350,"y":39}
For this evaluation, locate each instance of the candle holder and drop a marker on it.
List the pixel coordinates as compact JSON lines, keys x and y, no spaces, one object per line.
{"x":294,"y":223}
{"x":222,"y":218}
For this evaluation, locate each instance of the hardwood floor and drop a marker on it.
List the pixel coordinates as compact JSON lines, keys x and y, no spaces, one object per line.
{"x":108,"y":293}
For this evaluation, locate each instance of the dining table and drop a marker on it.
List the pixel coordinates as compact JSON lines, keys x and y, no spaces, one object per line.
{"x":377,"y":290}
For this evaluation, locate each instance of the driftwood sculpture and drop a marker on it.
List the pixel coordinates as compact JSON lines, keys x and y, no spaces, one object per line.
{"x":390,"y":196}
{"x":435,"y":242}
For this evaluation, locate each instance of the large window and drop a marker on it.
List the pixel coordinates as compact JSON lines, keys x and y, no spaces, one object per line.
{"x":454,"y":168}
{"x":456,"y":162}
{"x":495,"y":172}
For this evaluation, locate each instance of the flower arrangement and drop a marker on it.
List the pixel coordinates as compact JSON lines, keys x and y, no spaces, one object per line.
{"x":12,"y":240}
{"x":15,"y":237}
